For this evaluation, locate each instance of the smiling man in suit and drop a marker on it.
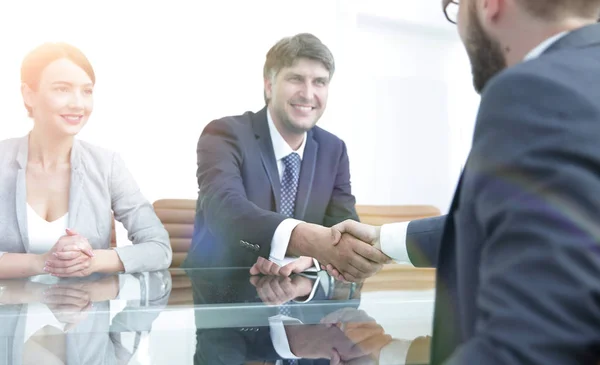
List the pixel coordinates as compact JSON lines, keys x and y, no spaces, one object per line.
{"x":518,"y":255}
{"x":272,"y":182}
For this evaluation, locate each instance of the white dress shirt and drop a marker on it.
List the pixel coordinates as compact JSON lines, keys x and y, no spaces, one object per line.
{"x":277,"y":323}
{"x":283,"y":232}
{"x":393,"y":236}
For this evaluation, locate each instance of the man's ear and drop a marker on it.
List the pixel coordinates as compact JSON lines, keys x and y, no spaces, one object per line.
{"x":489,"y":10}
{"x":268,"y":87}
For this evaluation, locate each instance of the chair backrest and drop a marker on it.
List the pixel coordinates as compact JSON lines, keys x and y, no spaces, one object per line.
{"x":177,"y":215}
{"x":113,"y":233}
{"x":382,"y":214}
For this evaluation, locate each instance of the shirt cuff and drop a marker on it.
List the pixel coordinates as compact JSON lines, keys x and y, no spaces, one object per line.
{"x":392,"y":239}
{"x":281,"y":238}
{"x":394,"y":353}
{"x":316,"y":268}
{"x":279,"y":336}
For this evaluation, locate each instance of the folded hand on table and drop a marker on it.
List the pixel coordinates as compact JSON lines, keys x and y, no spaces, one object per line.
{"x":71,"y":256}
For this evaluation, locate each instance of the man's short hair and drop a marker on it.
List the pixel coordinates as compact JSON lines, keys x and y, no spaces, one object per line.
{"x":556,"y":9}
{"x":288,"y":50}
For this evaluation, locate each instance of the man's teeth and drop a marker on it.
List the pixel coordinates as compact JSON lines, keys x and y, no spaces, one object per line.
{"x":303,"y":108}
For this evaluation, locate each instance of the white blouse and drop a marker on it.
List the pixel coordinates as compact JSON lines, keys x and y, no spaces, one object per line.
{"x":43,"y":235}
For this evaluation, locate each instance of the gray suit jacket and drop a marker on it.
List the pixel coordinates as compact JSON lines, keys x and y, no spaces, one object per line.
{"x":100,"y":184}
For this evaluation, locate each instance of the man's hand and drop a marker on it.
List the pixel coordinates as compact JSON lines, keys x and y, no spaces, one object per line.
{"x":276,"y":290}
{"x":364,"y":232}
{"x":352,"y":232}
{"x":267,"y":267}
{"x":70,"y":256}
{"x":353,"y":259}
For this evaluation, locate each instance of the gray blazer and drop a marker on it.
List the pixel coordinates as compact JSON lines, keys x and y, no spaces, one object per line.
{"x":100,"y":184}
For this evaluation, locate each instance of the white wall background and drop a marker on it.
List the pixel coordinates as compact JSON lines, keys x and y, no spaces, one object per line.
{"x":401,"y":97}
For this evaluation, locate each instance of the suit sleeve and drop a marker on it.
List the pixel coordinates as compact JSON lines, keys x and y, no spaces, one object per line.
{"x":342,"y":202}
{"x":423,"y":239}
{"x":535,"y":187}
{"x":230,"y":216}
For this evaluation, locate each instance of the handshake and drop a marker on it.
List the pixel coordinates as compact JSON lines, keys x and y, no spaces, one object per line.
{"x":350,"y":251}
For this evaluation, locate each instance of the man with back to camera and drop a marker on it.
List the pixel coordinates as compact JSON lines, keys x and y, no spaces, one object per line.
{"x":518,"y":255}
{"x":271,"y":183}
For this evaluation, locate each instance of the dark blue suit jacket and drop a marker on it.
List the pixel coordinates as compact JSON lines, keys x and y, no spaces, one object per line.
{"x":518,"y":256}
{"x":239,"y":190}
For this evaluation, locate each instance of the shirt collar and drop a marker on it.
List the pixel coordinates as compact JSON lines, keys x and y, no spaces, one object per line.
{"x":280,"y":146}
{"x":537,"y":51}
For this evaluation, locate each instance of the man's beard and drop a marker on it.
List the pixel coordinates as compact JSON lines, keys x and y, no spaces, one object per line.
{"x":485,"y":53}
{"x":287,"y":122}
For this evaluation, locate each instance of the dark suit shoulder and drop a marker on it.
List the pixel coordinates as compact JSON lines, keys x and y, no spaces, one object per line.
{"x":232,"y":123}
{"x":327,"y":139}
{"x":534,"y":105}
{"x":556,"y":68}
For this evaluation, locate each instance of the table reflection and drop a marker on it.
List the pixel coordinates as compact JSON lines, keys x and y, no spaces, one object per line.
{"x":305,"y":319}
{"x":209,"y":316}
{"x":70,"y":321}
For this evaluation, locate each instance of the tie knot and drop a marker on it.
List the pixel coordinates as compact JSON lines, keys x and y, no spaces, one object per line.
{"x":292,"y":161}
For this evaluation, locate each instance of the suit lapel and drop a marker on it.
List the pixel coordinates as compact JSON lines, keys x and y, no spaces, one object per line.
{"x":21,"y":192}
{"x":267,"y":155}
{"x":307,"y":174}
{"x":76,"y":186}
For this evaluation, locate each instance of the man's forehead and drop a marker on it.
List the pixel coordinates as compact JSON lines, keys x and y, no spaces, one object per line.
{"x":307,"y":66}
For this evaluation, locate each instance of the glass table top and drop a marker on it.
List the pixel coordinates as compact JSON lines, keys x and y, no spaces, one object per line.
{"x":218,"y":316}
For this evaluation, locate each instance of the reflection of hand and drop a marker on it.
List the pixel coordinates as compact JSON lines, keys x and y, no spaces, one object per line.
{"x":354,"y":234}
{"x":276,"y":290}
{"x":266,"y":267}
{"x":346,"y":315}
{"x":321,"y":342}
{"x":70,"y":302}
{"x":362,"y":330}
{"x":69,"y":305}
{"x":21,"y":291}
{"x":418,"y":352}
{"x":70,"y":256}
